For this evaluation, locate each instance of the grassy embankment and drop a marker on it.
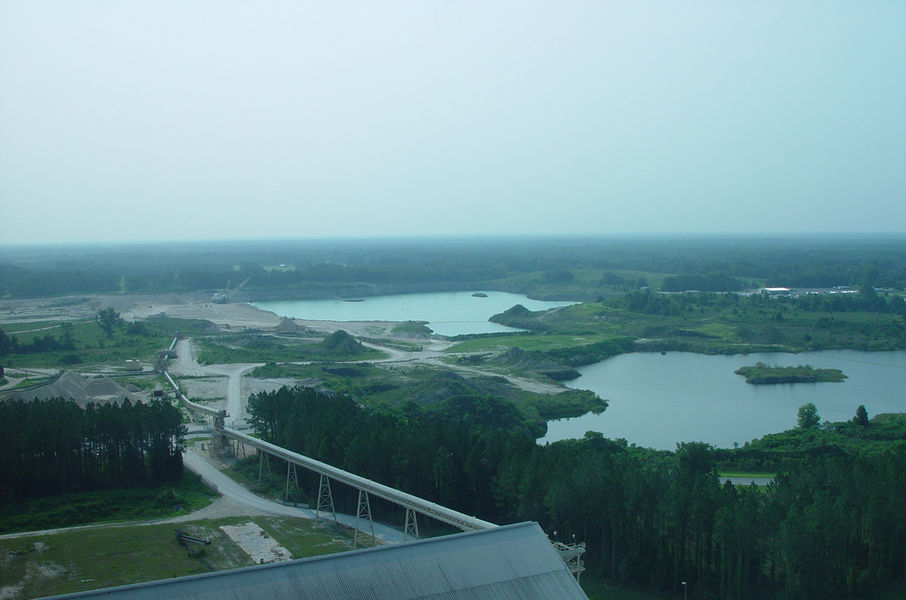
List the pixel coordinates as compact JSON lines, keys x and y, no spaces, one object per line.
{"x":145,"y":502}
{"x":89,"y":559}
{"x":417,"y":329}
{"x":762,"y":374}
{"x":250,"y":348}
{"x":429,"y":387}
{"x":394,"y":343}
{"x":31,"y":381}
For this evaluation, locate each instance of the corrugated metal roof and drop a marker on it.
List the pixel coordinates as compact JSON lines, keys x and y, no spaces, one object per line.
{"x":504,"y":563}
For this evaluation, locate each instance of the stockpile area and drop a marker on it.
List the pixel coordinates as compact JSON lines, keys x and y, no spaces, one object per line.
{"x":82,"y":390}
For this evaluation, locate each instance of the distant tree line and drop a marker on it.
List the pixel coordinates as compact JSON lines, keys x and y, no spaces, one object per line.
{"x":832,"y":525}
{"x":707,"y":282}
{"x":702,"y":264}
{"x":20,"y":282}
{"x":868,"y":300}
{"x":50,"y":447}
{"x":45,"y":343}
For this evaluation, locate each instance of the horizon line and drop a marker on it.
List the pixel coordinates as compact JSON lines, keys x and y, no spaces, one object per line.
{"x":466,"y":237}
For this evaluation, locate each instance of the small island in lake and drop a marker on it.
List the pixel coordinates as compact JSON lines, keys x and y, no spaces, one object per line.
{"x":479,"y":295}
{"x":761,"y":374}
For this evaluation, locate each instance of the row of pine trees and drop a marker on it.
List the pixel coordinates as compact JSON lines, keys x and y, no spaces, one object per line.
{"x":55,"y":446}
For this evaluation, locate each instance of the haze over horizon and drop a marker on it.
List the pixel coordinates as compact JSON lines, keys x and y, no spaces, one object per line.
{"x":214,"y":121}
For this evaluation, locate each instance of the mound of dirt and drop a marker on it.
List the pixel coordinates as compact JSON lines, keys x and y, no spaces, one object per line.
{"x":72,"y":386}
{"x":292,"y":327}
{"x":288,"y":325}
{"x":519,"y":317}
{"x":340,"y":342}
{"x":536,"y":362}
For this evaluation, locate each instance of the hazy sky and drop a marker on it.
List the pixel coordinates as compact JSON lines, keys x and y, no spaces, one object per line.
{"x":226,"y":119}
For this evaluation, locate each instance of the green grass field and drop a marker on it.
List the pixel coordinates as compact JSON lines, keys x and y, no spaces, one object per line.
{"x":31,"y":381}
{"x":52,"y":327}
{"x":540,"y":342}
{"x":267,"y":349}
{"x":94,"y":346}
{"x":81,"y":560}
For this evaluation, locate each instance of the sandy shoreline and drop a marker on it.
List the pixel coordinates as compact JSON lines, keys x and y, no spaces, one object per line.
{"x":181,"y":306}
{"x":225,"y":315}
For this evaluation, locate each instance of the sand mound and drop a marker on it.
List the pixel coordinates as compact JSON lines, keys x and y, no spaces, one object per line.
{"x":73,"y":386}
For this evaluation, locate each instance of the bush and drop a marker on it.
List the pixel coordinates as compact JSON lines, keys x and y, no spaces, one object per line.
{"x":70,"y":359}
{"x":167,"y":498}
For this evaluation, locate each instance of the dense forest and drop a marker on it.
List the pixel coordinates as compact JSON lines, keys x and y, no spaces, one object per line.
{"x":321,"y":267}
{"x":55,"y":446}
{"x":833,"y":523}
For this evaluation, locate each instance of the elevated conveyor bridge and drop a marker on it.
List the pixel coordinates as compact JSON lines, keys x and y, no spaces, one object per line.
{"x":408,"y":501}
{"x":366,"y":487}
{"x":570,"y":554}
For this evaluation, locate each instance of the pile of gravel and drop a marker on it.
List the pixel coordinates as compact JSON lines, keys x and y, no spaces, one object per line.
{"x":72,"y":386}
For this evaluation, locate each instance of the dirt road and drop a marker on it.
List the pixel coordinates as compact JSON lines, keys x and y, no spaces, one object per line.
{"x":235,"y":401}
{"x":240,"y":495}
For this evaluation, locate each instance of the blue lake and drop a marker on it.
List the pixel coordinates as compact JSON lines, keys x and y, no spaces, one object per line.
{"x":447,"y":313}
{"x":658,"y":400}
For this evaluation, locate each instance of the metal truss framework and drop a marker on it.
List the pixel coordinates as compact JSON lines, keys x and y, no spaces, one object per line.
{"x":362,"y":512}
{"x":325,"y":499}
{"x":239,"y":449}
{"x":292,"y":480}
{"x":410,"y":529}
{"x":571,"y":555}
{"x":264,"y":464}
{"x":372,"y":488}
